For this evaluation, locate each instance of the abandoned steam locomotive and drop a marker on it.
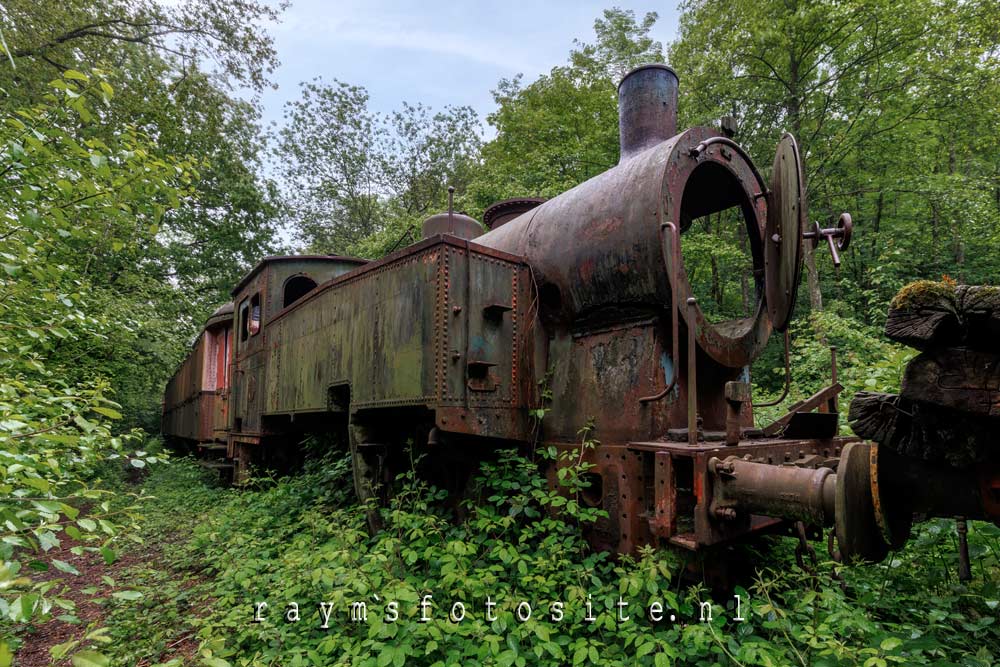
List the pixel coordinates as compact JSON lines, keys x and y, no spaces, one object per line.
{"x":446,"y":344}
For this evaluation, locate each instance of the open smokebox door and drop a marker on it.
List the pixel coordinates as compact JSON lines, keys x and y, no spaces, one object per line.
{"x":786,"y":220}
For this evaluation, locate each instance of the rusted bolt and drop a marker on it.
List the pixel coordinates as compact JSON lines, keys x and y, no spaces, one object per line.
{"x":721,"y":467}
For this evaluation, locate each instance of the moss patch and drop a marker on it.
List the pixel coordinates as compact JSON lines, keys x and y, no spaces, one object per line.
{"x":923,"y":293}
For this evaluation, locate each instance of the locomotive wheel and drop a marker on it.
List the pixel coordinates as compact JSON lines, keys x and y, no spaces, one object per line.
{"x":858,"y":533}
{"x":365,"y":464}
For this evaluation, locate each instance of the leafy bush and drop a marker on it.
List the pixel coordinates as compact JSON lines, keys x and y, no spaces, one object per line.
{"x":866,"y":361}
{"x":67,"y":198}
{"x":303,"y":540}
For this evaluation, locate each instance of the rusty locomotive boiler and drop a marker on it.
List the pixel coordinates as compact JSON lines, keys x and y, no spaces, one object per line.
{"x":445,"y":345}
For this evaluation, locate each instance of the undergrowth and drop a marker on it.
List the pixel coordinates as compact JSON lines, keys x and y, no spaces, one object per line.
{"x":303,"y":540}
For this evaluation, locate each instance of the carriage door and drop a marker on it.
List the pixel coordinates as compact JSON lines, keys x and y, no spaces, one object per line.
{"x":246,"y":395}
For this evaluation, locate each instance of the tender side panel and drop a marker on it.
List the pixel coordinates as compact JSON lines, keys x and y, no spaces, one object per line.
{"x":429,"y":327}
{"x":484,"y":361}
{"x":374,"y":333}
{"x":482,"y":344}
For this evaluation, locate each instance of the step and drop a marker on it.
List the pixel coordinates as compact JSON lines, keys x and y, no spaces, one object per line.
{"x":217,"y":465}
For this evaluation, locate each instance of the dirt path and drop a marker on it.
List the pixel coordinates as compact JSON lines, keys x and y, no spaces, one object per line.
{"x":38,"y":640}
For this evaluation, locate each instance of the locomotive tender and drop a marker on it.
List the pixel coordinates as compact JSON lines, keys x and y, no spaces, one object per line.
{"x":447,"y":343}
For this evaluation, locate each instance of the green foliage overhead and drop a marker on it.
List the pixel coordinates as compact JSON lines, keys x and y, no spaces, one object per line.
{"x":221,"y":224}
{"x":72,"y":203}
{"x":562,"y":128}
{"x":361,"y":183}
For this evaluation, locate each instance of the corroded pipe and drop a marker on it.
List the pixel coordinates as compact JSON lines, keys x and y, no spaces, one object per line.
{"x":787,"y":492}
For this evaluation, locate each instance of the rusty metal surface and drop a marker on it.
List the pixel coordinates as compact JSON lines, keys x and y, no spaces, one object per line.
{"x":786,"y":220}
{"x":595,"y":249}
{"x":504,"y":211}
{"x":453,"y":224}
{"x":623,"y":496}
{"x":788,"y":492}
{"x":439,"y":324}
{"x":647,"y":108}
{"x":662,"y":493}
{"x":858,"y":534}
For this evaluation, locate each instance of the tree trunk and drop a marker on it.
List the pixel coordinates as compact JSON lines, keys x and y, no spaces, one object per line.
{"x":955,"y":377}
{"x":812,"y":279}
{"x":926,"y":315}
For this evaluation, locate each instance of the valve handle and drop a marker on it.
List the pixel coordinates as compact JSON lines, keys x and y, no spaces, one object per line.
{"x":842,"y":232}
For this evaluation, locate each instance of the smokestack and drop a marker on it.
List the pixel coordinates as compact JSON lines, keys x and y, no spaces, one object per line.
{"x":647,"y":108}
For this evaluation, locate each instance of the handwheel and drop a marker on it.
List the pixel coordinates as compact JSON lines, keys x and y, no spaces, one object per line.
{"x":845,"y":225}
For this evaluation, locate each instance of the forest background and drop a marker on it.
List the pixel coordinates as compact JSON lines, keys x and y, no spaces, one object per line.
{"x":137,"y":186}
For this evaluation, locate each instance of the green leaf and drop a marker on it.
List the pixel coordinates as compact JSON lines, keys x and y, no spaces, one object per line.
{"x":83,"y":424}
{"x":107,"y":412}
{"x":63,"y":566}
{"x":90,"y":659}
{"x":73,"y":74}
{"x":127,"y":595}
{"x":645,"y":649}
{"x":212,"y":661}
{"x":890,"y":643}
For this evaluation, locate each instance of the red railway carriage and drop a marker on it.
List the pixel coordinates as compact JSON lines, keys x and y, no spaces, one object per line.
{"x":196,"y":398}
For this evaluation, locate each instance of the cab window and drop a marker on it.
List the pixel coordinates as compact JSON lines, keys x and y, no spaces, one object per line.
{"x":249,"y":317}
{"x":297,"y":287}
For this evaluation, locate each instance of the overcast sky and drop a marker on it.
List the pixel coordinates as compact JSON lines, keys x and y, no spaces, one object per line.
{"x":436,"y":53}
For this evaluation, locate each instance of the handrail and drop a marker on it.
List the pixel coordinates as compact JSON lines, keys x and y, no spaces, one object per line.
{"x":675,"y":331}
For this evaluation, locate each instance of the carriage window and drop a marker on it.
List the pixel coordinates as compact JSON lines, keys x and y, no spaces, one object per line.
{"x":254,"y":314}
{"x":297,"y":287}
{"x":249,"y":317}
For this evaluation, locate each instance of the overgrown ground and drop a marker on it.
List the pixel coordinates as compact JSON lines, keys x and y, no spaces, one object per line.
{"x":187,"y":594}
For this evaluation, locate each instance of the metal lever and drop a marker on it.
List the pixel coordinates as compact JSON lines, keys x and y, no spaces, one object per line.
{"x":842,"y":232}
